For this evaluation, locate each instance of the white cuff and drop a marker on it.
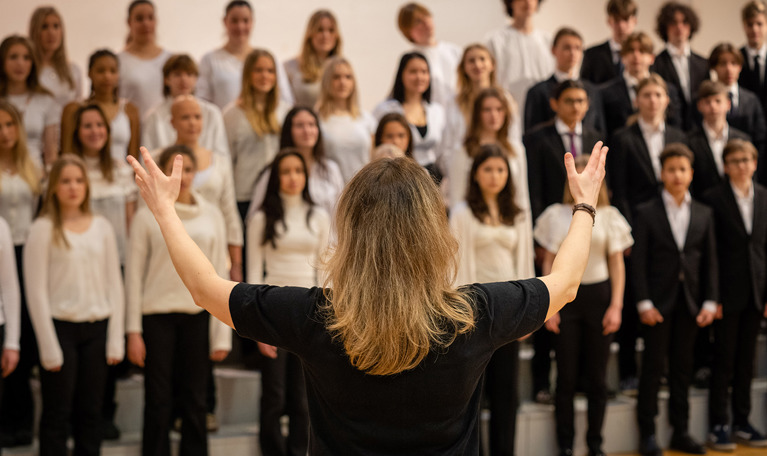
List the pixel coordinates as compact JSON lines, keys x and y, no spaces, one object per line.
{"x":644,"y":305}
{"x":709,"y":306}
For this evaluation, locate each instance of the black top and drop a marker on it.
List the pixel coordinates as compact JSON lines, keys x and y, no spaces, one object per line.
{"x":429,"y":410}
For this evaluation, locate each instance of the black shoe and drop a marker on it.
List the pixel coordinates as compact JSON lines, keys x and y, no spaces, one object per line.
{"x":597,"y":452}
{"x":109,"y":431}
{"x":684,"y":443}
{"x":747,"y":435}
{"x":566,"y":452}
{"x":719,"y":439}
{"x":649,"y":447}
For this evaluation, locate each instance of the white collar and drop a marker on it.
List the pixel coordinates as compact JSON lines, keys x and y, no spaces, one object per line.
{"x":761,"y":52}
{"x":614,"y":45}
{"x":648,"y":129}
{"x":738,"y":194}
{"x":563,"y":129}
{"x":562,"y":76}
{"x":631,"y":80}
{"x":676,"y":52}
{"x":669,"y":200}
{"x":712,"y":136}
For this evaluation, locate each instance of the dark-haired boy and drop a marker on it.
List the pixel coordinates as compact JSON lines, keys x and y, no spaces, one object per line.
{"x":754,"y":17}
{"x":676,"y":289}
{"x":740,"y":212}
{"x":602,"y":63}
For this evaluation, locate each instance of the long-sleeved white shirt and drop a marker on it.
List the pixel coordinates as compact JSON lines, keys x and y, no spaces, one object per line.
{"x":10,"y":295}
{"x":299,"y":246}
{"x":348,"y":141}
{"x":141,"y":80}
{"x":81,"y":283}
{"x":38,"y":111}
{"x":151,"y":282}
{"x":157,"y":131}
{"x":304,"y":93}
{"x":17,"y":205}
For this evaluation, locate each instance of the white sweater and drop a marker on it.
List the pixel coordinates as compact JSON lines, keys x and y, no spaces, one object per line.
{"x":157,"y":131}
{"x":81,"y":283}
{"x":10,"y":296}
{"x":348,"y":141}
{"x":293,"y":262}
{"x":152,"y":284}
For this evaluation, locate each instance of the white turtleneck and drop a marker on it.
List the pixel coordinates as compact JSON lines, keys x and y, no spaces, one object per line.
{"x":152,"y":284}
{"x":299,"y":246}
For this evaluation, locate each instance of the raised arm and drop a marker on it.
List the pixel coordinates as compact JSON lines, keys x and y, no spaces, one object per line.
{"x":208,"y":290}
{"x":570,"y":262}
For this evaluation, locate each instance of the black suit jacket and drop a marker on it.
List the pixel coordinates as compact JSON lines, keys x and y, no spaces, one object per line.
{"x":749,"y":118}
{"x":750,"y":81}
{"x":706,"y":173}
{"x":617,"y":108}
{"x":545,"y":164}
{"x":538,"y":109}
{"x":630,"y":169}
{"x":597,"y":65}
{"x":659,"y":268}
{"x":742,"y":256}
{"x":699,"y":72}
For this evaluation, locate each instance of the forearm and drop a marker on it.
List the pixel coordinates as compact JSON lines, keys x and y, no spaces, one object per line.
{"x":617,"y":270}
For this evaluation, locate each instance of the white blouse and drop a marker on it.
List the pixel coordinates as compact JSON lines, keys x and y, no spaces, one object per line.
{"x":81,"y":283}
{"x":348,"y":141}
{"x":220,"y":80}
{"x":157,"y":131}
{"x":325,"y":187}
{"x":443,"y":59}
{"x":151,"y":282}
{"x":109,"y":199}
{"x":522,"y":60}
{"x":120,"y":133}
{"x":489,"y":253}
{"x":305,"y":93}
{"x":611,"y":234}
{"x":141,"y":80}
{"x":63,"y":93}
{"x":299,"y":247}
{"x":250,"y":152}
{"x":39,"y":111}
{"x":10,"y":295}
{"x":427,"y":149}
{"x":18,"y":205}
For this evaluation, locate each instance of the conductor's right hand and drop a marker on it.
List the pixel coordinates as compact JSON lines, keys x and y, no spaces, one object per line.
{"x":585,"y":186}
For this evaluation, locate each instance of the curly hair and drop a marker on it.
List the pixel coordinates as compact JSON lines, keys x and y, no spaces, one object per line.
{"x":666,"y":17}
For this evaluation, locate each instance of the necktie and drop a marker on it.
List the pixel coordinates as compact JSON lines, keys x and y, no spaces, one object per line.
{"x":571,"y":135}
{"x":733,"y":108}
{"x":618,"y":63}
{"x":757,"y":71}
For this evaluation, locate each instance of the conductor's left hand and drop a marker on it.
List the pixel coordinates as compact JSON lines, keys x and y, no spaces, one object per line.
{"x":158,"y":190}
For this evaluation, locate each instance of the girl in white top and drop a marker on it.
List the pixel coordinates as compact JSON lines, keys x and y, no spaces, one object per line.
{"x":113,"y":191}
{"x":522,"y":52}
{"x":168,"y":334}
{"x":63,"y":78}
{"x":221,"y":69}
{"x":417,"y":26}
{"x":103,"y":71}
{"x":476,"y":72}
{"x":10,"y":305}
{"x":301,"y":130}
{"x":213,"y":177}
{"x":76,"y":303}
{"x":179,"y":79}
{"x":286,"y":240}
{"x":411,"y":96}
{"x":586,"y":326}
{"x":322,"y":40}
{"x":253,"y":124}
{"x":487,"y":227}
{"x":489,"y":124}
{"x":346,"y":130}
{"x":142,"y":59}
{"x":20,"y":86}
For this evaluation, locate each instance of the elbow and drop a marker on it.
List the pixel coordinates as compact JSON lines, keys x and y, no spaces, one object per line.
{"x":571,"y":292}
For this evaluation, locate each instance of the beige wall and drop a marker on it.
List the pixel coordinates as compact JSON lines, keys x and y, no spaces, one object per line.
{"x":371,"y":38}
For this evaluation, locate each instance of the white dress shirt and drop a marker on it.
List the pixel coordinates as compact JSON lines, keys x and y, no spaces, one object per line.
{"x":717,"y":142}
{"x":734,"y":94}
{"x":745,"y":205}
{"x":564,"y":131}
{"x":762,"y":54}
{"x":631,"y":86}
{"x":681,"y":60}
{"x":615,"y":50}
{"x":654,"y":138}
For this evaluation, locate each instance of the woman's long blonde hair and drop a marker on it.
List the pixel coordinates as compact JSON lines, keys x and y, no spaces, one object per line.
{"x":51,"y":207}
{"x":20,"y":154}
{"x":325,"y":101}
{"x":392,"y":299}
{"x":471,"y":141}
{"x":59,"y":60}
{"x":466,"y":92}
{"x":308,"y":62}
{"x":263,"y":121}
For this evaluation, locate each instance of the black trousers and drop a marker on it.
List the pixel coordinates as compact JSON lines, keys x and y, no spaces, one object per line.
{"x":734,"y":351}
{"x":672,"y":341}
{"x":17,"y":407}
{"x":502,"y":393}
{"x":175,"y":341}
{"x":76,"y":391}
{"x":582,"y":351}
{"x":629,"y":330}
{"x":283,"y":392}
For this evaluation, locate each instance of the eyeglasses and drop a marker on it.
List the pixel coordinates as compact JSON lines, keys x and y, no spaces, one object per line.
{"x":574,"y":101}
{"x":738,"y":161}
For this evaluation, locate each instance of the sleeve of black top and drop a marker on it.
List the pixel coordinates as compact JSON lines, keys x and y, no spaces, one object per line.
{"x":280,"y":316}
{"x":513,"y":309}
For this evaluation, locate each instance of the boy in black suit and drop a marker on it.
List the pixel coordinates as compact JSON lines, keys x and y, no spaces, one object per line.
{"x":676,"y":290}
{"x":754,"y":16}
{"x":603,"y":62}
{"x":707,"y":141}
{"x":676,"y":24}
{"x":568,"y":53}
{"x":740,"y":211}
